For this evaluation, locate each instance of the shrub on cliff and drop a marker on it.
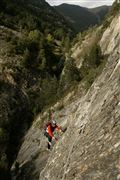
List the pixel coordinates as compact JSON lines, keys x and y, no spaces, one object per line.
{"x":92,"y":65}
{"x":69,"y":76}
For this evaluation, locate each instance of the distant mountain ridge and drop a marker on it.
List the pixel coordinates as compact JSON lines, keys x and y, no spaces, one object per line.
{"x":100,"y":11}
{"x":80,"y":17}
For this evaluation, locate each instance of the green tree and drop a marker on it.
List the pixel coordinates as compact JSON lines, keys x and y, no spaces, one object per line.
{"x":34,"y":35}
{"x":26,"y":57}
{"x":50,"y":38}
{"x":49,"y":89}
{"x":59,"y":33}
{"x":70,"y":75}
{"x":41,"y":59}
{"x":3,"y":135}
{"x":67,"y":44}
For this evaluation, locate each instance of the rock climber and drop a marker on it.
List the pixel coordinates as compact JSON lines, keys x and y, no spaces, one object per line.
{"x":50,"y":128}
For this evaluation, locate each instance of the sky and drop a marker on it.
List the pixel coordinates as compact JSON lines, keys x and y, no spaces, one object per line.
{"x":84,"y":3}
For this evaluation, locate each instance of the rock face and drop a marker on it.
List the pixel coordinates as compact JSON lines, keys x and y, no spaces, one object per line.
{"x":90,"y":148}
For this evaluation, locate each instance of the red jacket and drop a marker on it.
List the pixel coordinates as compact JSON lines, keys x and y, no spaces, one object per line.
{"x":50,"y":129}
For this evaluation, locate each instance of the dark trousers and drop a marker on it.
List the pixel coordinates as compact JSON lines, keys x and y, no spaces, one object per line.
{"x":49,"y":139}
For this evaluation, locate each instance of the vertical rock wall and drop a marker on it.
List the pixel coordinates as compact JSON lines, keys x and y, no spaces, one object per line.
{"x":90,"y":149}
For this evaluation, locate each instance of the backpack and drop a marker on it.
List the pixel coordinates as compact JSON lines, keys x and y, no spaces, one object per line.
{"x":46,"y":125}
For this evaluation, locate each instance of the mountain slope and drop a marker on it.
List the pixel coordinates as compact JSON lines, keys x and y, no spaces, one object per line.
{"x":89,"y":149}
{"x":39,"y":10}
{"x":100,"y":11}
{"x":81,"y":18}
{"x":32,"y":55}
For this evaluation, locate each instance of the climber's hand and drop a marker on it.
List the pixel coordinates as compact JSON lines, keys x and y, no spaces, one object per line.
{"x":61,"y":131}
{"x":53,"y":138}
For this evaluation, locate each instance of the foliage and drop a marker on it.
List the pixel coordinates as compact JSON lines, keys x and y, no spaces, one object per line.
{"x":34,"y":35}
{"x":4,"y":174}
{"x":49,"y":89}
{"x":3,"y":135}
{"x":92,"y":65}
{"x":115,"y":9}
{"x":45,"y":95}
{"x":69,"y":76}
{"x":82,"y":18}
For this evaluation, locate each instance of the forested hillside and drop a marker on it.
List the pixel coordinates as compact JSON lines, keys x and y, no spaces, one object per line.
{"x":32,"y":54}
{"x":100,"y":12}
{"x":82,"y":18}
